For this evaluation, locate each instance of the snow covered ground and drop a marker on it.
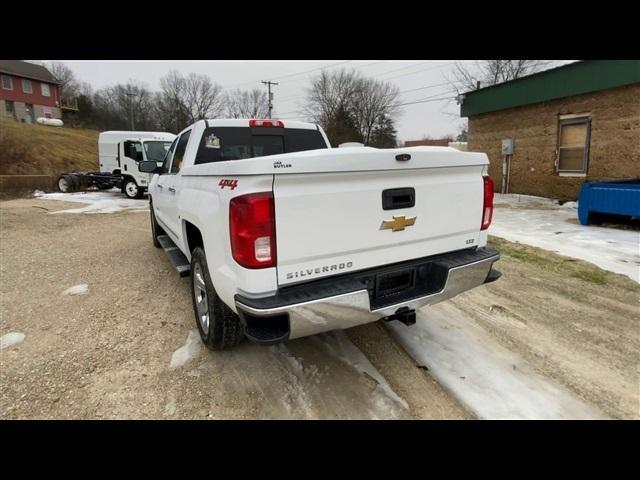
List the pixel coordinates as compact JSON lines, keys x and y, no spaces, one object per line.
{"x":489,"y":380}
{"x":109,"y":201}
{"x":543,"y":223}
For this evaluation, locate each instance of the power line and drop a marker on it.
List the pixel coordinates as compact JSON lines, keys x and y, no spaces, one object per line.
{"x":401,"y":68}
{"x":291,"y":74}
{"x":313,"y":70}
{"x":425,"y":101}
{"x":417,"y":71}
{"x":361,"y":66}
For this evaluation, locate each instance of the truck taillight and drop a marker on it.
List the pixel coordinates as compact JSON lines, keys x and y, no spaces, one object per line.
{"x":487,"y":207}
{"x":252,"y":225}
{"x":266,"y":123}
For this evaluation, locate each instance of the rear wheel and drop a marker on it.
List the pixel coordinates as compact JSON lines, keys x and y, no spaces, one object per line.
{"x":131,"y":189}
{"x":218,"y":325}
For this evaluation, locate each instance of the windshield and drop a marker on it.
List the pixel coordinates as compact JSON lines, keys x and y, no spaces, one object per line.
{"x":156,"y":150}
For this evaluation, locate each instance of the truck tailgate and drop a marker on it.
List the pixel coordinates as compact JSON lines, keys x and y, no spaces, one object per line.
{"x":333,"y":223}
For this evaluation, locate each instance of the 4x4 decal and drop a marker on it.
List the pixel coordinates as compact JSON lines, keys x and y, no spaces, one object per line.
{"x":226,"y":182}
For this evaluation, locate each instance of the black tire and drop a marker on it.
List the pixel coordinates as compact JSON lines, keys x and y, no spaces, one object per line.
{"x":156,"y":230}
{"x":133,"y":193}
{"x":64,"y":184}
{"x":225,"y":329}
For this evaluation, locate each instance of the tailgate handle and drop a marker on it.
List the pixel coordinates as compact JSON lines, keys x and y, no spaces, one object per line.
{"x":394,"y":198}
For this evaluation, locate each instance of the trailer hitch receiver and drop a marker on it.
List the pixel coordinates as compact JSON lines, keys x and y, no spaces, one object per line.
{"x":404,"y":315}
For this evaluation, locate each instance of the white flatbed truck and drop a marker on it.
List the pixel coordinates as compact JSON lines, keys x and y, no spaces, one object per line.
{"x":119,"y":154}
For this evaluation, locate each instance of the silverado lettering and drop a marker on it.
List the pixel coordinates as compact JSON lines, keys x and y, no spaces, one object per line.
{"x":310,"y":271}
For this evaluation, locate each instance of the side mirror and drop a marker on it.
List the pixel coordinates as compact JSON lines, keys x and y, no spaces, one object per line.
{"x":148,"y":166}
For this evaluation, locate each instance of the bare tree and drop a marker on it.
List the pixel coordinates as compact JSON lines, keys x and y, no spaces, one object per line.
{"x":366,"y":102}
{"x":247,"y":104}
{"x":69,"y":87}
{"x":114,"y":106}
{"x":184,"y":100}
{"x":202,"y":97}
{"x":482,"y":73}
{"x":329,"y":94}
{"x":373,"y":103}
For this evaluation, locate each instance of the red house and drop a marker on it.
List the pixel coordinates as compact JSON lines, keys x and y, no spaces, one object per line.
{"x":27,"y":92}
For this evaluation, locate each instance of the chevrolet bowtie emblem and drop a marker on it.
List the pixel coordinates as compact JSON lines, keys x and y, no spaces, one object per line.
{"x":398,"y":223}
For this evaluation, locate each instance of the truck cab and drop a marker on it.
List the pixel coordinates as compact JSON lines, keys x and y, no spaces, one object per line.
{"x":120,"y":153}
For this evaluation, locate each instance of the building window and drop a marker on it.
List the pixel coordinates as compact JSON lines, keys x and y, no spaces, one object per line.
{"x":573,"y":145}
{"x":9,"y":107}
{"x":26,"y":86}
{"x":45,"y":90}
{"x":7,"y":82}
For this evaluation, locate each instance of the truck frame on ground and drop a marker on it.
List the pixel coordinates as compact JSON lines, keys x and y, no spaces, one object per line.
{"x":119,"y":154}
{"x":285,"y":237}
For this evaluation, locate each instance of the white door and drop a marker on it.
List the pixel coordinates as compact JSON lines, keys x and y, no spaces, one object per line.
{"x":171,"y":188}
{"x":160,"y":194}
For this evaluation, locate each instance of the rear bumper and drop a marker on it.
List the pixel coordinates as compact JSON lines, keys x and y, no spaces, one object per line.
{"x":354,"y":299}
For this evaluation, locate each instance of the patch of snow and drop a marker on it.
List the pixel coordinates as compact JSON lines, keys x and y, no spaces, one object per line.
{"x":10,"y":339}
{"x":295,"y":398}
{"x":188,"y":351}
{"x":80,"y":289}
{"x":337,"y":343}
{"x":107,"y":201}
{"x":490,"y":380}
{"x":570,"y":205}
{"x":543,"y":223}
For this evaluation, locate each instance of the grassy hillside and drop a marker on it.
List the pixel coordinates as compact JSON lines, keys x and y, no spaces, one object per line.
{"x":40,"y":150}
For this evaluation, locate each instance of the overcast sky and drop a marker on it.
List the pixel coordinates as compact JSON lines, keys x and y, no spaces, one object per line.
{"x":434,"y":118}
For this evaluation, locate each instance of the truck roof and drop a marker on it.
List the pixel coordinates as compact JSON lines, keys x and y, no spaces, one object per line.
{"x":244,"y":122}
{"x":121,"y":134}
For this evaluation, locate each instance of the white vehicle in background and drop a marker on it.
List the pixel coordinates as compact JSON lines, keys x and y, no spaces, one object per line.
{"x":286,"y":237}
{"x":119,"y":154}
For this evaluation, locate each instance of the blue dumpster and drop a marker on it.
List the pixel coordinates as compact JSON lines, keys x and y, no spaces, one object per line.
{"x":617,"y":197}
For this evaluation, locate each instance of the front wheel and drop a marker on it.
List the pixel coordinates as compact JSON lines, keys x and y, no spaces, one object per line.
{"x":218,"y":325}
{"x":131,"y":189}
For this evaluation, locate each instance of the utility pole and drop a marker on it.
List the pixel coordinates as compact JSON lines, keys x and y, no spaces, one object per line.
{"x":268,"y":84}
{"x":131,"y":94}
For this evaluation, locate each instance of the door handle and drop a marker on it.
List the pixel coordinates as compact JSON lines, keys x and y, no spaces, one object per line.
{"x":172,"y":190}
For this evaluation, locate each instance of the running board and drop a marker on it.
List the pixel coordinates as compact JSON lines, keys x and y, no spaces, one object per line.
{"x":176,"y":257}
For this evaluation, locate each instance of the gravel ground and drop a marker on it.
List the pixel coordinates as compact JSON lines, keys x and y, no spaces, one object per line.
{"x":96,"y":324}
{"x":570,"y":320}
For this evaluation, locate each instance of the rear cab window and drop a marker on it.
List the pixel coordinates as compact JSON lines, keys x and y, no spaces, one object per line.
{"x":219,"y":144}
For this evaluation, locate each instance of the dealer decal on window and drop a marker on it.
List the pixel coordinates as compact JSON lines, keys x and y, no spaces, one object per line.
{"x":212,"y":141}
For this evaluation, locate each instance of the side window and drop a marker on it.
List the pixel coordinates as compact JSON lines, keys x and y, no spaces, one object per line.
{"x":573,"y":145}
{"x":179,"y":155}
{"x":167,"y":157}
{"x":133,"y":150}
{"x":26,"y":86}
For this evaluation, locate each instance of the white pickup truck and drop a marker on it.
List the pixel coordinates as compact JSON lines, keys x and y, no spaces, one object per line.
{"x":286,"y":237}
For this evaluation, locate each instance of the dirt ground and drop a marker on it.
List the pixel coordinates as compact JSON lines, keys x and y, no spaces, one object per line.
{"x":572,"y":321}
{"x":128,"y":347}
